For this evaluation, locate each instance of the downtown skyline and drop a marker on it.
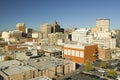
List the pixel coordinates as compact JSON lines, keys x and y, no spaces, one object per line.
{"x":68,"y":13}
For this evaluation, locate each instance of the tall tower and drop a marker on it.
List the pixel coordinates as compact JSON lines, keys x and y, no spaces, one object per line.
{"x":21,"y":27}
{"x":103,"y":25}
{"x":55,"y":27}
{"x":45,"y":29}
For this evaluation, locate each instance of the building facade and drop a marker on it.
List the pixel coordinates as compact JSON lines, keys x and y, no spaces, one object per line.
{"x":45,"y":30}
{"x":103,"y":24}
{"x":55,"y":27}
{"x":104,"y":54}
{"x":15,"y":70}
{"x":81,"y":35}
{"x":79,"y":53}
{"x":21,"y":27}
{"x":53,"y":37}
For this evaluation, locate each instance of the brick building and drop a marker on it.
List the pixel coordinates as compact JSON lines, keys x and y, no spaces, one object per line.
{"x":79,"y":53}
{"x":10,"y":48}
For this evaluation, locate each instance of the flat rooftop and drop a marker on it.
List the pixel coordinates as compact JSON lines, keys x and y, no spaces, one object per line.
{"x":14,"y":67}
{"x":78,"y":45}
{"x":46,"y":62}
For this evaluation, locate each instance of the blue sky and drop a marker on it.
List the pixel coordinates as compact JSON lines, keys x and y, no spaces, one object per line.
{"x":68,"y":13}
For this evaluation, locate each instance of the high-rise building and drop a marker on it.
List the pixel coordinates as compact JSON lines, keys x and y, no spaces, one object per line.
{"x":55,"y":27}
{"x":103,"y":25}
{"x":45,"y":29}
{"x":21,"y":27}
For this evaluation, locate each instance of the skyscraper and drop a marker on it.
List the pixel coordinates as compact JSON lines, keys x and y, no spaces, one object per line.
{"x":103,"y":24}
{"x":21,"y":27}
{"x":55,"y":27}
{"x":45,"y":29}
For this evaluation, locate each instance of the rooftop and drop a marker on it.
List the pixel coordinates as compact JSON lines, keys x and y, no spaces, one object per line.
{"x":14,"y":67}
{"x":46,"y":62}
{"x":77,"y":45}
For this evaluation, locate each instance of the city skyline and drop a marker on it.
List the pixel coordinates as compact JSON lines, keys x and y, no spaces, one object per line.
{"x":68,"y":13}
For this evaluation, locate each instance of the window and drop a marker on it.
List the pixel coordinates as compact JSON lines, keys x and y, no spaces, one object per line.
{"x":82,"y":54}
{"x":69,"y":52}
{"x":73,"y":52}
{"x":77,"y":53}
{"x":65,"y":51}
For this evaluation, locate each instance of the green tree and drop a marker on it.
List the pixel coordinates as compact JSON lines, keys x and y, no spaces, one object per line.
{"x":103,"y":64}
{"x":41,"y":52}
{"x":112,"y":73}
{"x":88,"y":66}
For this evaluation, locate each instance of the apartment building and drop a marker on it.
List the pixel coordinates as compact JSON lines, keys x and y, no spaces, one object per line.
{"x":79,"y":53}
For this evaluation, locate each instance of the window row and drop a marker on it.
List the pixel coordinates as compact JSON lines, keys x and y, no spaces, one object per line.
{"x":74,"y":53}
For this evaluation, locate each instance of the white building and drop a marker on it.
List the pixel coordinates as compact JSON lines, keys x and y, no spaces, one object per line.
{"x":81,"y":35}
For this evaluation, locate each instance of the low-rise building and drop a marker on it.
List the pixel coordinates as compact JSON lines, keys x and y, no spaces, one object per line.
{"x":104,"y":54}
{"x":50,"y":66}
{"x":53,"y":51}
{"x":10,"y":48}
{"x":15,"y":70}
{"x":79,"y":53}
{"x":24,"y":55}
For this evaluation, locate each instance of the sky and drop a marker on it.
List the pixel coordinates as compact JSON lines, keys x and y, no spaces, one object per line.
{"x":68,"y":13}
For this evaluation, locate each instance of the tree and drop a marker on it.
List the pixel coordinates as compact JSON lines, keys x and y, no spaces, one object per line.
{"x":41,"y":52}
{"x":103,"y":64}
{"x":7,"y":58}
{"x":88,"y":65}
{"x":112,"y":73}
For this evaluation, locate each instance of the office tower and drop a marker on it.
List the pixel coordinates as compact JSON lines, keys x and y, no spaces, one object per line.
{"x":103,"y":25}
{"x":21,"y":27}
{"x":29,"y":30}
{"x":55,"y":27}
{"x":45,"y":29}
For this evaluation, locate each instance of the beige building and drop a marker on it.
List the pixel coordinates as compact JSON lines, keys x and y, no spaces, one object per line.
{"x":102,"y":25}
{"x":105,"y":43}
{"x":54,"y":37}
{"x":118,"y":38}
{"x":51,"y":66}
{"x":15,"y":70}
{"x":104,"y":54}
{"x":5,"y":36}
{"x":21,"y":27}
{"x":53,"y":51}
{"x":102,"y":34}
{"x":45,"y":30}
